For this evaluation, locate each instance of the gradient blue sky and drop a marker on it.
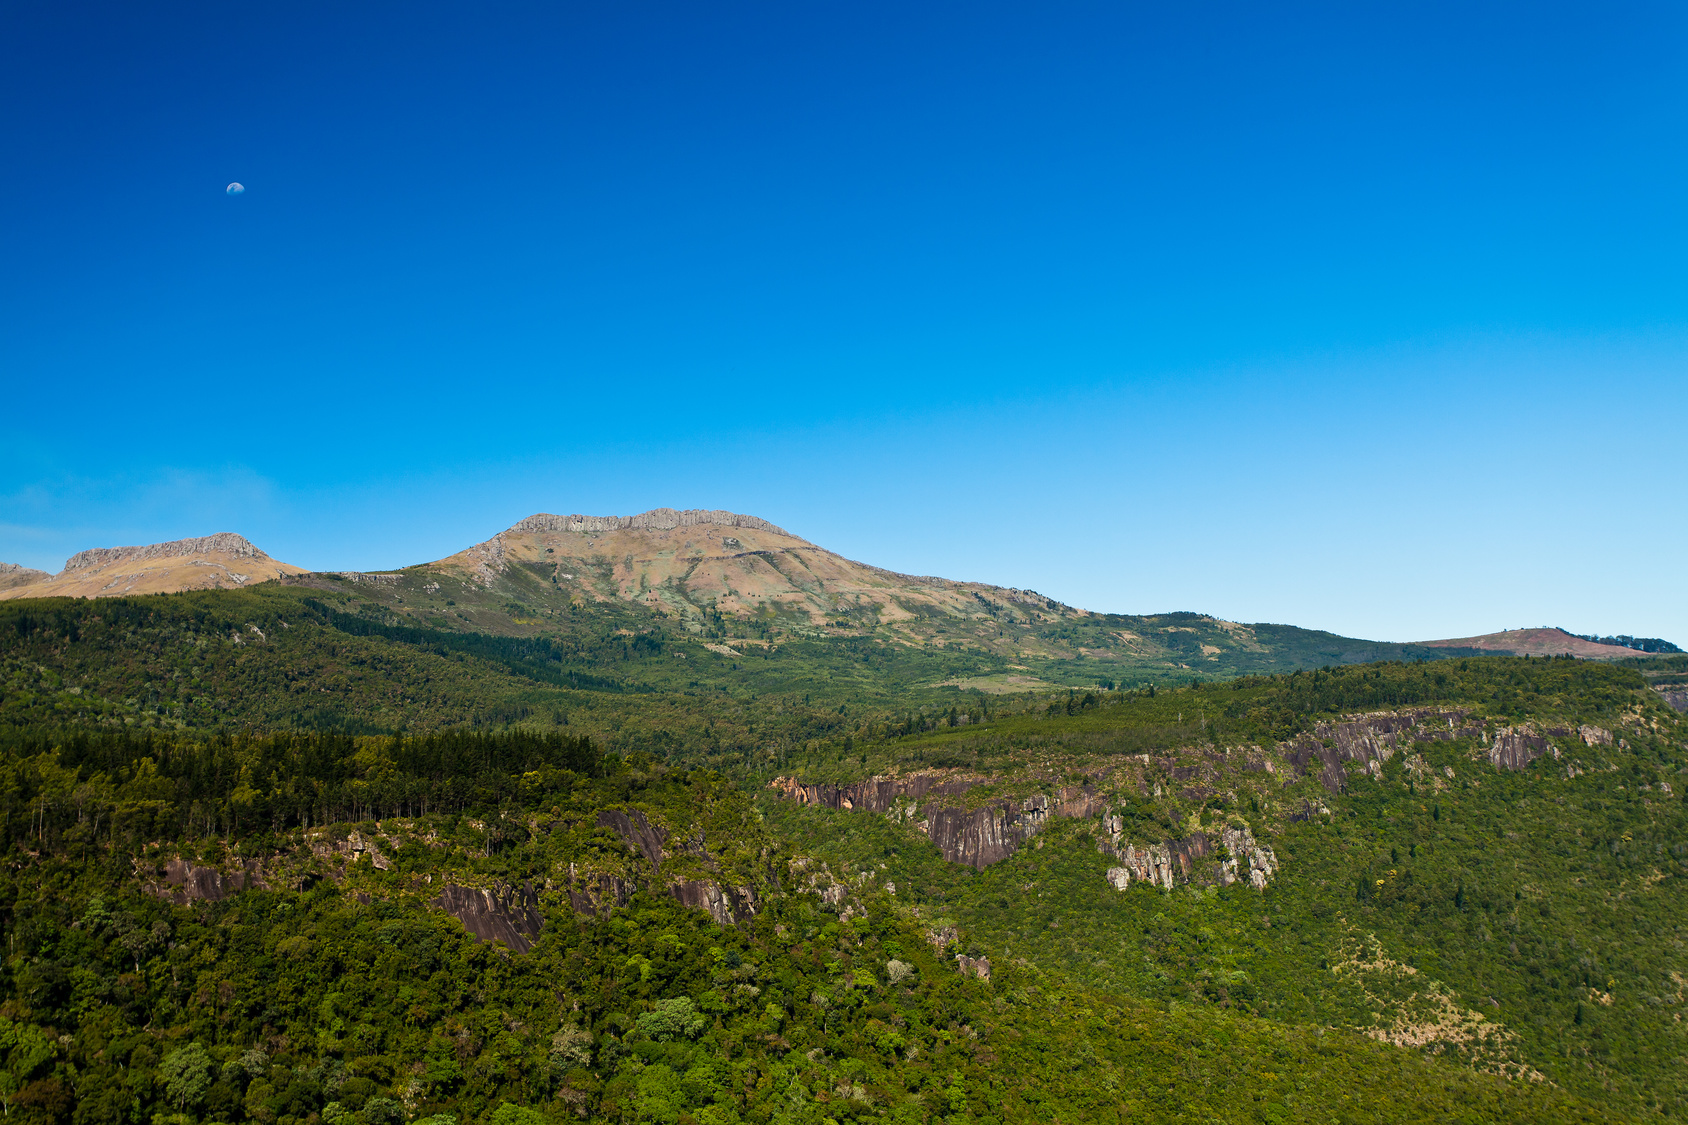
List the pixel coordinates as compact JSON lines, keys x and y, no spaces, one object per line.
{"x":1358,"y":317}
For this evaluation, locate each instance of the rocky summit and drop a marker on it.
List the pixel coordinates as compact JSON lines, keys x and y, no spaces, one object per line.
{"x":12,"y":574}
{"x":212,"y":562}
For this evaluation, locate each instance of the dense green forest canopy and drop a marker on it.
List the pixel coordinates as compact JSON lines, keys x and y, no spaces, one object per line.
{"x":348,"y":997}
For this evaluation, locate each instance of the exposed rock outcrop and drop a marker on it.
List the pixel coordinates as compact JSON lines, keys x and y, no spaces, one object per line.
{"x":980,"y":836}
{"x":977,"y":836}
{"x":597,"y":893}
{"x":734,"y":904}
{"x":1241,"y":857}
{"x":12,"y":574}
{"x":186,"y":882}
{"x":503,"y":913}
{"x":1246,"y":859}
{"x":942,"y":937}
{"x":637,"y":833}
{"x":224,"y":542}
{"x":657,"y":519}
{"x":1513,"y":748}
{"x":1369,"y":741}
{"x":974,"y":966}
{"x":359,"y":578}
{"x":877,"y":794}
{"x":353,"y":846}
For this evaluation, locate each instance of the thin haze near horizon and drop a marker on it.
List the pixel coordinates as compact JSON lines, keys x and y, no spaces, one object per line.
{"x":1366,"y":319}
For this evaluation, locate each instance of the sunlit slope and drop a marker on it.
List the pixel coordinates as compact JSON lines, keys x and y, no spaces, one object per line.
{"x":698,"y":563}
{"x":223,"y":561}
{"x":1538,"y":642}
{"x":11,"y":574}
{"x":737,"y":580}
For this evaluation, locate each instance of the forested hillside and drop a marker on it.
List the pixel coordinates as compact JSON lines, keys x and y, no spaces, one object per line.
{"x":330,"y":658}
{"x":182,"y":947}
{"x":281,"y":855}
{"x":1482,"y":859}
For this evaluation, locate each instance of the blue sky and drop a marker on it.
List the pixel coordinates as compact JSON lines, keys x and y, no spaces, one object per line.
{"x":1365,"y":318}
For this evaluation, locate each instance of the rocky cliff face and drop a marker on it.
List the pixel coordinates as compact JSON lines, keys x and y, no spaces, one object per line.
{"x":984,"y":834}
{"x":981,"y":833}
{"x":1240,"y":857}
{"x":224,"y":542}
{"x":184,"y":882}
{"x":1368,"y":741}
{"x":682,"y":867}
{"x":877,"y":794}
{"x":977,"y":836}
{"x":726,"y":904}
{"x":637,"y":833}
{"x":502,"y":913}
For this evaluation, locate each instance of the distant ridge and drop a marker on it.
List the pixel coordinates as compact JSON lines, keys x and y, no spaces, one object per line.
{"x":1537,"y":642}
{"x":225,"y":542}
{"x":211,"y":562}
{"x":12,"y":574}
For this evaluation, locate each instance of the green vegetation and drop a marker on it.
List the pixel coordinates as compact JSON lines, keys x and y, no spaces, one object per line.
{"x":339,"y":994}
{"x":229,"y":821}
{"x":1524,"y":921}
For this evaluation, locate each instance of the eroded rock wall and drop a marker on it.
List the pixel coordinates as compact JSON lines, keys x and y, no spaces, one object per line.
{"x":877,"y":794}
{"x":500,"y":913}
{"x":186,"y":882}
{"x":637,"y":832}
{"x":1369,"y":741}
{"x":726,"y":905}
{"x":977,"y":836}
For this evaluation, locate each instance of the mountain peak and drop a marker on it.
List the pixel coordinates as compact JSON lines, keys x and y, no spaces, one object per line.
{"x":209,"y":562}
{"x":14,"y":574}
{"x":1537,"y":642}
{"x":223,"y":542}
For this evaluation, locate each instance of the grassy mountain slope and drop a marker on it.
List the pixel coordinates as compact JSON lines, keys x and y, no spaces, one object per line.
{"x":213,"y":562}
{"x":1537,"y":642}
{"x":738,"y":581}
